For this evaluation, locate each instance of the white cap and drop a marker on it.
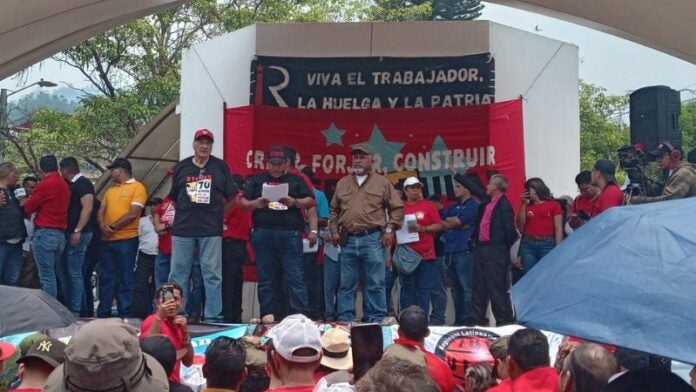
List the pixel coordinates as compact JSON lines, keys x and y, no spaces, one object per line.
{"x":296,"y":332}
{"x":412,"y":181}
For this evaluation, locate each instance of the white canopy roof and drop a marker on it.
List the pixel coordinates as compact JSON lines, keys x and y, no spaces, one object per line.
{"x":32,"y":30}
{"x":667,"y":26}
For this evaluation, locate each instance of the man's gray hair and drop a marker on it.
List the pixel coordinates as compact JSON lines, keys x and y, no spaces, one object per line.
{"x":500,"y":181}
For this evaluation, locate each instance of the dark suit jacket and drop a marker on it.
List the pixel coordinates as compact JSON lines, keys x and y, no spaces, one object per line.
{"x":503,"y":232}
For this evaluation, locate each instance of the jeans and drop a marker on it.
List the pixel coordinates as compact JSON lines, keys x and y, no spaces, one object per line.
{"x":279,"y":263}
{"x":390,"y":276}
{"x":438,"y":292}
{"x":143,"y":285}
{"x":415,"y":287}
{"x":163,"y":265}
{"x":460,"y":270}
{"x":91,"y":261}
{"x":48,"y":246}
{"x":313,"y":281}
{"x":10,"y":262}
{"x":368,"y":252}
{"x":70,"y":272}
{"x":234,"y":255}
{"x":210,"y":258}
{"x":332,"y":281}
{"x":196,"y":294}
{"x":117,"y":261}
{"x":533,"y":250}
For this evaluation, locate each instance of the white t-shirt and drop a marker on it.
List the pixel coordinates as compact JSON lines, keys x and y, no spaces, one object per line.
{"x":147,"y":236}
{"x":361,"y":179}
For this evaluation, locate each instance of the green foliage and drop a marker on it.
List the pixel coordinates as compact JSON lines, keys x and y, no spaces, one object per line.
{"x":602,"y":126}
{"x":687,"y":124}
{"x":401,"y":10}
{"x":456,"y":9}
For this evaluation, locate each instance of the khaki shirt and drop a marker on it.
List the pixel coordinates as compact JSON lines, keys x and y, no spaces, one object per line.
{"x":680,"y":184}
{"x":375,"y":204}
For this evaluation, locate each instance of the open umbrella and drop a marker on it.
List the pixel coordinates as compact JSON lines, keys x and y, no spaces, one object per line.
{"x":26,"y":310}
{"x":628,"y":277}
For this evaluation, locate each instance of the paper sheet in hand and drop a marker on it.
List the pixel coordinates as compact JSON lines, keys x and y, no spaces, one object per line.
{"x":274,"y":192}
{"x":402,"y":235}
{"x":309,"y":249}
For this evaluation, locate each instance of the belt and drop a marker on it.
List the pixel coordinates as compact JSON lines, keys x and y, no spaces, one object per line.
{"x":364,"y":232}
{"x":483,"y":243}
{"x":538,"y":237}
{"x":47,"y":228}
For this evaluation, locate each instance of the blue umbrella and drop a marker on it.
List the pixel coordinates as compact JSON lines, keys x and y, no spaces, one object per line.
{"x":628,"y":277}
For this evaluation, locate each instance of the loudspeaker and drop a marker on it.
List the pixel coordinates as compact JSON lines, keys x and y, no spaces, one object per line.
{"x":655,"y":116}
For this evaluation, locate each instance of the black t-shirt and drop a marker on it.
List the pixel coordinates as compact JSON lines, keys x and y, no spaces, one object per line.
{"x":79,"y":188}
{"x":199,"y":194}
{"x":290,"y":219}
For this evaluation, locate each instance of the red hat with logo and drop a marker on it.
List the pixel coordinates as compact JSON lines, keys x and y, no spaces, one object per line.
{"x":204,"y":133}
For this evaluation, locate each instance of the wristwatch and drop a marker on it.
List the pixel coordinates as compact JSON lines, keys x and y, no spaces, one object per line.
{"x":388,"y":229}
{"x":77,"y":230}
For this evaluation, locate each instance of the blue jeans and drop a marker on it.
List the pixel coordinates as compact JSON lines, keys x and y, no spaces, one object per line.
{"x":70,"y":272}
{"x":48,"y":246}
{"x":196,"y":294}
{"x":415,"y":287}
{"x":533,"y":250}
{"x":162,"y":268}
{"x":366,"y":252}
{"x":210,"y":258}
{"x":438,"y":292}
{"x":390,"y":276}
{"x":279,"y":253}
{"x":332,"y":280}
{"x":117,"y":260}
{"x":460,"y":269}
{"x":10,"y":262}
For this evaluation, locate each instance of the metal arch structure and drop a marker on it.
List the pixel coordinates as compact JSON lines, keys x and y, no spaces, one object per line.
{"x":667,"y":26}
{"x":32,"y":30}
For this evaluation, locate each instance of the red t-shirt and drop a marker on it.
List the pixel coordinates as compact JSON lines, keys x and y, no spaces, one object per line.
{"x":26,"y":390}
{"x":166,"y":214}
{"x":237,"y":222}
{"x":539,"y":220}
{"x":292,"y":389}
{"x":173,"y":333}
{"x":611,"y":196}
{"x":50,"y":201}
{"x":582,"y":203}
{"x":426,"y":214}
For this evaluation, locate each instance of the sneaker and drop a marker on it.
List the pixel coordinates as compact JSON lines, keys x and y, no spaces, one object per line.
{"x":389,"y":320}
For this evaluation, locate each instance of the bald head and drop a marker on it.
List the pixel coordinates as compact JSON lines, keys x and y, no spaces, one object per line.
{"x":588,"y":368}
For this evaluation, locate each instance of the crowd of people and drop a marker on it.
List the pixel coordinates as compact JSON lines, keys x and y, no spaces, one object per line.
{"x":295,"y":356}
{"x":178,"y":260}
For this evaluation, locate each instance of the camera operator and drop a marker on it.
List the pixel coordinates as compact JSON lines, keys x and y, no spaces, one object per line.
{"x":681,"y":180}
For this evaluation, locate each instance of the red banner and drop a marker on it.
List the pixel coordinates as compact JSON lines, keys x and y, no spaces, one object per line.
{"x":427,"y":140}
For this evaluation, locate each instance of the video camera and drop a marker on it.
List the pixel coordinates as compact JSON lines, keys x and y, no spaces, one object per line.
{"x":633,"y":160}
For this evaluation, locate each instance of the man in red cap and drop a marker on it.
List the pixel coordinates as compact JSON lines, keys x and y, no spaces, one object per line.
{"x":201,"y":185}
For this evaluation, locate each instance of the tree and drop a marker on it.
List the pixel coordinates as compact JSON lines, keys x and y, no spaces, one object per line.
{"x":134,"y":72}
{"x":456,"y":9}
{"x":687,"y":124}
{"x":401,"y":10}
{"x":602,"y":126}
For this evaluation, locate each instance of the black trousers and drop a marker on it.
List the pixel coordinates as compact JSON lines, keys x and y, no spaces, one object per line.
{"x":491,"y":282}
{"x":29,"y":274}
{"x":90,"y":264}
{"x":143,"y":286}
{"x":314,"y":280}
{"x":234,"y":255}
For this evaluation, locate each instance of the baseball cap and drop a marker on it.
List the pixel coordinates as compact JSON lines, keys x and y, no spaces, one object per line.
{"x":335,"y":345}
{"x":293,"y":333}
{"x":49,"y":350}
{"x":105,"y":355}
{"x":204,"y":133}
{"x":662,"y":148}
{"x":6,"y":350}
{"x":121,"y":163}
{"x":412,"y":181}
{"x":362,"y":148}
{"x":277,"y":154}
{"x":607,"y":168}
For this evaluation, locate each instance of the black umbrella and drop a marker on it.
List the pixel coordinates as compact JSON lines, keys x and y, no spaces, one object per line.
{"x":27,"y":310}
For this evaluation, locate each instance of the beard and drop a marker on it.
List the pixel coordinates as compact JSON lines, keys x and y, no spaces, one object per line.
{"x":359,"y":170}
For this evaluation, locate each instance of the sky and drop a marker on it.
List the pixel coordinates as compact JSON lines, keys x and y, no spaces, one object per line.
{"x":616,"y":64}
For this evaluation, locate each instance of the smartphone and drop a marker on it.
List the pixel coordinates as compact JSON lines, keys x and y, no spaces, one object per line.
{"x":167,"y":293}
{"x":367,"y":347}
